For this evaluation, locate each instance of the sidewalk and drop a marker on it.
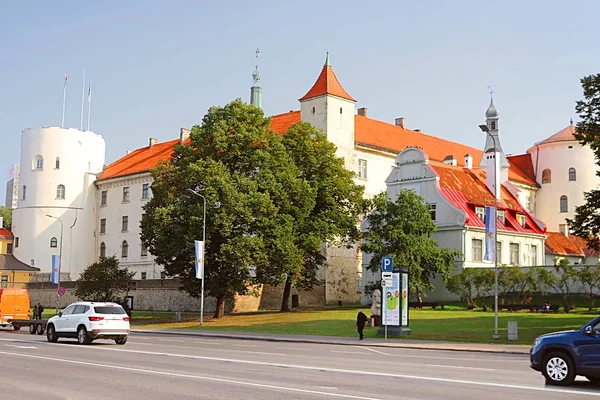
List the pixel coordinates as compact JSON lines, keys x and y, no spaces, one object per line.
{"x":347,"y":341}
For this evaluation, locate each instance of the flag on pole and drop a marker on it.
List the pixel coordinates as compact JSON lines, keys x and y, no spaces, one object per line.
{"x":199,"y":244}
{"x":55,"y":269}
{"x":490,"y":230}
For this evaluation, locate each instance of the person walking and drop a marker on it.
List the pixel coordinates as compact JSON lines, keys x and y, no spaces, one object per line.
{"x":361,"y":319}
{"x":40,"y":310}
{"x":35,"y":311}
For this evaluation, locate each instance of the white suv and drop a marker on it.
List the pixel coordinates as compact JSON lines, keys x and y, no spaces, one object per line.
{"x":88,"y":321}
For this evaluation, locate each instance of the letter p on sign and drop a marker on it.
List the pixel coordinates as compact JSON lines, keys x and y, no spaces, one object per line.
{"x":386,"y":264}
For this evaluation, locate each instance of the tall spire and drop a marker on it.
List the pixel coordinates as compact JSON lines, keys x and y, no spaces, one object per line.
{"x":327,"y":64}
{"x":256,"y":90}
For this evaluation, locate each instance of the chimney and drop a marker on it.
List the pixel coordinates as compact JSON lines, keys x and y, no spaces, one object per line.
{"x":450,"y":160}
{"x":184,"y":134}
{"x":491,"y":180}
{"x":400,"y":122}
{"x":564,"y":229}
{"x":468,"y":161}
{"x":153,"y":141}
{"x":1,"y":222}
{"x":362,"y":111}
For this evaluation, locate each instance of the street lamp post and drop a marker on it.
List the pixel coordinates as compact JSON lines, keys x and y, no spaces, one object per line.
{"x":59,"y":258}
{"x":203,"y":240}
{"x":486,"y":130}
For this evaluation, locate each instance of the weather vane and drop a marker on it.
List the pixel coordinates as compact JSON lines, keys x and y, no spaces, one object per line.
{"x":491,"y":87}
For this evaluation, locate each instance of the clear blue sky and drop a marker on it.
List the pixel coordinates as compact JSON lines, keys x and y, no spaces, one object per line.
{"x":157,"y":66}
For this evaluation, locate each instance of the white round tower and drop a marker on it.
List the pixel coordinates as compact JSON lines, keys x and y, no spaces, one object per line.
{"x":58,"y":170}
{"x":565,"y":170}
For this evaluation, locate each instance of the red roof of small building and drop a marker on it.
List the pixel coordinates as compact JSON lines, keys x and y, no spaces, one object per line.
{"x":522,"y":165}
{"x":466,"y":189}
{"x":5,"y":234}
{"x":327,"y":83}
{"x":559,"y":244}
{"x":566,"y":135}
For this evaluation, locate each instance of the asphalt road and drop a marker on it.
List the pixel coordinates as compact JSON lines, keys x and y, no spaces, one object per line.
{"x":163,"y":367}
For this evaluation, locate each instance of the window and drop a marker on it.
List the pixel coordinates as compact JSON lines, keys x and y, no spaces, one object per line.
{"x":144,"y":252}
{"x":499,"y":252}
{"x":144,"y":274}
{"x":9,"y":247}
{"x":362,"y":169}
{"x":60,"y":192}
{"x":102,"y":250}
{"x":521,"y":219}
{"x":340,"y":110}
{"x":145,"y":191}
{"x":53,"y":242}
{"x":126,"y":194}
{"x":477,"y":247}
{"x":546,"y":176}
{"x":564,"y":204}
{"x":528,"y":202}
{"x":533,"y":253}
{"x":4,"y":281}
{"x":501,"y":216}
{"x":572,"y":174}
{"x":57,"y":163}
{"x":480,"y":211}
{"x":493,"y":125}
{"x":24,"y":193}
{"x":125,"y":224}
{"x":514,"y":254}
{"x":124,"y":249}
{"x":16,"y":242}
{"x":103,"y":225}
{"x":38,"y":162}
{"x":432,"y":211}
{"x":103,"y":198}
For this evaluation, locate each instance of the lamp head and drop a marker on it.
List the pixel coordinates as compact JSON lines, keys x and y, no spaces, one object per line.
{"x":484,"y":128}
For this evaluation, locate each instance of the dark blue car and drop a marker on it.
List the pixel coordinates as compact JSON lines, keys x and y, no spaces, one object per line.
{"x":561,"y":356}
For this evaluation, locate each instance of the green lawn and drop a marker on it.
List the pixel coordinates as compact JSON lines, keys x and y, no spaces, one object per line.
{"x":445,"y":325}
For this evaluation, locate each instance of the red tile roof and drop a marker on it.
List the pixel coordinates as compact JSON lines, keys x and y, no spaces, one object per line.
{"x":522,"y":166}
{"x":557,"y":243}
{"x":466,"y":189}
{"x":327,"y":83}
{"x":5,"y":234}
{"x":280,"y":123}
{"x":566,"y":135}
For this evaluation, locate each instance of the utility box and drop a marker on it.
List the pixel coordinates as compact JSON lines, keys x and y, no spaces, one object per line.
{"x":512,"y":331}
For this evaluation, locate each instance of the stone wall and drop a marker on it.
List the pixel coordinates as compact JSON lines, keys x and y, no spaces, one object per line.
{"x":272,"y":297}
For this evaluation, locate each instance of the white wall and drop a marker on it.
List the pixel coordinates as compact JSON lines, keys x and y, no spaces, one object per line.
{"x":113,"y":212}
{"x":81,"y":156}
{"x":559,"y":157}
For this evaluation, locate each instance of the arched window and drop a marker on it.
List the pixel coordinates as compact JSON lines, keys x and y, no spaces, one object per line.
{"x":102,"y":250}
{"x":38,"y":162}
{"x":572,"y":174}
{"x":124,"y":249}
{"x":546,"y":176}
{"x":493,"y":125}
{"x":57,"y":163}
{"x":564,"y":204}
{"x":53,"y":242}
{"x":24,"y":194}
{"x":60,"y":192}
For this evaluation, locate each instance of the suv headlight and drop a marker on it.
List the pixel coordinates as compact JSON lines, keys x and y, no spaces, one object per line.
{"x":536,"y":343}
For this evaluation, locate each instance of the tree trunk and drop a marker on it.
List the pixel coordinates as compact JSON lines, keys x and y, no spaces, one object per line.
{"x":285,"y":303}
{"x":220,"y":311}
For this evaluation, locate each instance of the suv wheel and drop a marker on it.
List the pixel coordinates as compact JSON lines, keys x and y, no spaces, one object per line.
{"x":558,"y":369}
{"x":121,"y":340}
{"x":82,"y":336}
{"x":51,"y":334}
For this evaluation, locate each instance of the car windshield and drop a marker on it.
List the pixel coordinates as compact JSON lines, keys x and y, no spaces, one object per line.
{"x":109,"y":310}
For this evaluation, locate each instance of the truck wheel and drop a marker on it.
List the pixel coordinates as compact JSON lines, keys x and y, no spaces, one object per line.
{"x":82,"y":336}
{"x":16,"y":327}
{"x":32,"y":329}
{"x":558,"y":369}
{"x":40,"y":329}
{"x":51,"y":334}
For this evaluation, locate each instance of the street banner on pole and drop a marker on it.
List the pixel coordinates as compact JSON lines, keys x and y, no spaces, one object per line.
{"x":55,"y":269}
{"x":404,"y":299}
{"x":490,"y":230}
{"x":199,"y":244}
{"x":391,"y":301}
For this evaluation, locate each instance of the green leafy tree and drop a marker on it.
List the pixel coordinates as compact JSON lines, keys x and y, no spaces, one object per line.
{"x":338,"y":201}
{"x":562,"y":281}
{"x":589,"y":276}
{"x":403,"y":230}
{"x":516,"y":284}
{"x":465,"y":286}
{"x":6,"y":215}
{"x":103,"y":281}
{"x":235,"y":161}
{"x":586,"y":223}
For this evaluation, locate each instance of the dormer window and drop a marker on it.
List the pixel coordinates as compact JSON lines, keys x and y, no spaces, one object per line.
{"x":480,"y":211}
{"x":521,"y":219}
{"x":501,"y":216}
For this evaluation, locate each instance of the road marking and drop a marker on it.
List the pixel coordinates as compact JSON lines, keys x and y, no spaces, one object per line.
{"x":246,"y":345}
{"x":348,"y":352}
{"x":339,"y":370}
{"x":199,"y":377}
{"x":455,"y":366}
{"x":373,"y":350}
{"x":328,"y":387}
{"x":21,"y":347}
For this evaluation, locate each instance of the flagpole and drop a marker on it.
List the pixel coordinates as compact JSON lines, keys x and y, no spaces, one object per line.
{"x":89,"y":105}
{"x":82,"y":101}
{"x":62,"y":125}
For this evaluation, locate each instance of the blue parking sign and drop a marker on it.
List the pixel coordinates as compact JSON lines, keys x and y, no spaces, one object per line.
{"x":386,"y":264}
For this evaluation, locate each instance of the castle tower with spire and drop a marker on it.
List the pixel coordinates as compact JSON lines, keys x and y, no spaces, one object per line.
{"x":256,"y":90}
{"x":492,"y":141}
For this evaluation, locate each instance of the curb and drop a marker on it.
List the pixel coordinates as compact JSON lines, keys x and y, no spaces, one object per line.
{"x":317,"y":341}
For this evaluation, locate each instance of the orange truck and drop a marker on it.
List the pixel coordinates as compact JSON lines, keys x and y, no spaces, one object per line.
{"x":14,"y":306}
